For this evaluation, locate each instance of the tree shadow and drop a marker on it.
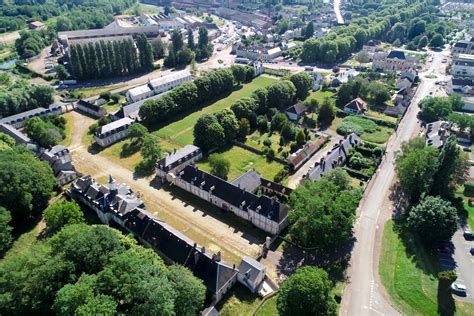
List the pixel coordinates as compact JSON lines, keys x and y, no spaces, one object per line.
{"x":128,"y":149}
{"x":446,"y":303}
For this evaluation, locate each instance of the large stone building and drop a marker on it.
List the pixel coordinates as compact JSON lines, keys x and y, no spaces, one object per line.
{"x":463,"y":47}
{"x":159,"y":85}
{"x":463,"y":66}
{"x":394,"y":61}
{"x":59,"y":159}
{"x":177,"y":160}
{"x":19,"y":119}
{"x":113,"y":132}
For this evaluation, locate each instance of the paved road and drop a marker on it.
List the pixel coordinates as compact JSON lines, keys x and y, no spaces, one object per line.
{"x":365,"y":294}
{"x":464,"y":264}
{"x":337,"y":11}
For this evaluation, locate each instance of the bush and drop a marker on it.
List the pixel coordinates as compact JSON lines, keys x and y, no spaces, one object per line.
{"x":267,"y":142}
{"x":358,"y":125}
{"x":469,"y":189}
{"x":106,"y":95}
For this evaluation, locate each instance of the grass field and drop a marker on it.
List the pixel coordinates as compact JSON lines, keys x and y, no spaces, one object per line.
{"x":409,"y":272}
{"x":92,"y":91}
{"x":268,"y":308}
{"x":379,"y":137}
{"x":180,"y":133}
{"x":256,"y":139}
{"x":242,"y":160}
{"x":238,"y":302}
{"x":68,"y":130}
{"x":319,"y":95}
{"x":469,"y":209}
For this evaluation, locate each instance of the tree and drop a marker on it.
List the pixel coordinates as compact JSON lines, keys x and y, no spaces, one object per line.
{"x":72,"y":296}
{"x":300,"y":137}
{"x":433,"y":219}
{"x":260,"y":96}
{"x":307,"y":292}
{"x":5,"y":230}
{"x":415,"y":168}
{"x":208,"y":133}
{"x":229,"y":123}
{"x":26,"y":183}
{"x":158,"y":48}
{"x":238,"y":72}
{"x":326,"y":113}
{"x":244,"y":127}
{"x":362,"y":57}
{"x":191,"y":39}
{"x":303,"y":83}
{"x":151,"y":149}
{"x":433,"y":108}
{"x":323,"y":213}
{"x":61,"y":72}
{"x":457,"y":102}
{"x":137,"y":132}
{"x":423,"y":42}
{"x":220,"y":166}
{"x":278,"y":121}
{"x":6,"y":141}
{"x":281,"y":94}
{"x":191,"y":292}
{"x":185,"y":56}
{"x":437,"y":40}
{"x":245,"y":108}
{"x":61,"y":214}
{"x":309,"y":30}
{"x":177,"y":41}
{"x":145,"y":53}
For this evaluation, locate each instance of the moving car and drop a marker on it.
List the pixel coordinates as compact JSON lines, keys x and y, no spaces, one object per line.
{"x":459,"y":289}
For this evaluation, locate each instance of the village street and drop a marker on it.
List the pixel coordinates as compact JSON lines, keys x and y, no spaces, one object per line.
{"x":206,"y":227}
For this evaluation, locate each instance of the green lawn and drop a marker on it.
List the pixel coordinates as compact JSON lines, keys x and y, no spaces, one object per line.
{"x":242,"y":160}
{"x":68,"y":130}
{"x":319,"y":95}
{"x":180,"y":133}
{"x":408,"y":272}
{"x":468,"y":208}
{"x":381,"y":116}
{"x":256,"y":139}
{"x":268,"y":308}
{"x":238,"y":302}
{"x":379,"y":137}
{"x":95,"y":91}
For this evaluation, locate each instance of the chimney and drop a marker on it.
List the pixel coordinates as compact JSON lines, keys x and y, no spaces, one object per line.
{"x":218,"y":256}
{"x":203,"y":249}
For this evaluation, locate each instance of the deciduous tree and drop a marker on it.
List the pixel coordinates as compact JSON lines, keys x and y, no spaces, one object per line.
{"x":220,"y":166}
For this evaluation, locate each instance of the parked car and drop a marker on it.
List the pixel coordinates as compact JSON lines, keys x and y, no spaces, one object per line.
{"x":472,"y":251}
{"x":468,"y":149}
{"x":468,"y":234}
{"x":459,"y":289}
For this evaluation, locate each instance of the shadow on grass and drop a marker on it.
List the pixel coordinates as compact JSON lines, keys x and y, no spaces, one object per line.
{"x":128,"y":149}
{"x":446,"y":304}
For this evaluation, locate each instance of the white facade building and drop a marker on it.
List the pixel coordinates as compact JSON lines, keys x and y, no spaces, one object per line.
{"x":113,"y":132}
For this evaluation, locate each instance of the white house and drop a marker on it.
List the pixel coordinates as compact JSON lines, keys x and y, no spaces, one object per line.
{"x":168,"y":82}
{"x":356,"y":106}
{"x":251,"y":273}
{"x":113,"y":132}
{"x":295,"y":111}
{"x":463,"y":66}
{"x":177,"y":160}
{"x":139,"y":93}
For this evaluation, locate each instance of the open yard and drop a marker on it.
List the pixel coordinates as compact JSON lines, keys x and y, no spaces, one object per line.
{"x":180,"y":133}
{"x":93,"y":91}
{"x":242,"y":160}
{"x":409,"y":273}
{"x":268,"y":308}
{"x":319,"y":95}
{"x":238,"y":302}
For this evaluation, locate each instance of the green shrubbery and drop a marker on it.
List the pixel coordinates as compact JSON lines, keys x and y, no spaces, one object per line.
{"x":358,"y":125}
{"x":469,"y":189}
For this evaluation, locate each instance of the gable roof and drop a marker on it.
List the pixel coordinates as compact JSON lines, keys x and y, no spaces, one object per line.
{"x":357,"y":104}
{"x":178,"y":157}
{"x":298,"y":109}
{"x":113,"y":127}
{"x":249,"y":181}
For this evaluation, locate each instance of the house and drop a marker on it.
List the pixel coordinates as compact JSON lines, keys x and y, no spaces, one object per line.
{"x":463,"y":66}
{"x":36,"y":25}
{"x":168,"y":82}
{"x":403,"y":83}
{"x":295,"y":111}
{"x":113,"y":132}
{"x":437,"y":133}
{"x":262,"y":211}
{"x":336,"y":157}
{"x":298,"y":158}
{"x":394,"y":61}
{"x":139,"y":93}
{"x":19,"y":119}
{"x":459,"y":84}
{"x":251,"y":273}
{"x":177,"y":160}
{"x":409,"y":74}
{"x":89,"y":108}
{"x":356,"y":106}
{"x":118,"y":204}
{"x":344,"y":76}
{"x":59,"y":159}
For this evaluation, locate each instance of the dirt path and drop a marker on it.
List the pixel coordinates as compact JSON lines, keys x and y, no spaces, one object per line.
{"x":202,"y":226}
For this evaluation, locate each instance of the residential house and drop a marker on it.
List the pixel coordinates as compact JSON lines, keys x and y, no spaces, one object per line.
{"x":437,"y":133}
{"x":298,"y":158}
{"x":460,"y":84}
{"x":403,"y":83}
{"x":336,"y":157}
{"x":36,"y":25}
{"x":463,"y":66}
{"x":59,"y":159}
{"x":113,"y":132}
{"x":262,"y":211}
{"x":19,"y":119}
{"x":344,"y":76}
{"x":394,"y":61}
{"x":356,"y":106}
{"x":93,"y":110}
{"x":118,"y":204}
{"x":401,"y":101}
{"x":409,"y":74}
{"x":251,"y":273}
{"x":177,"y":160}
{"x":295,"y":111}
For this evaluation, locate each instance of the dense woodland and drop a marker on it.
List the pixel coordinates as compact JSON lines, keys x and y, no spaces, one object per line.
{"x":21,"y":96}
{"x":105,"y":59}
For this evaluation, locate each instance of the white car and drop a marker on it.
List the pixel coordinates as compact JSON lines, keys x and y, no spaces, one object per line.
{"x":459,"y":289}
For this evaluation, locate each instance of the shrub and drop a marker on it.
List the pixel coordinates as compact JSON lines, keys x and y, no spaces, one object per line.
{"x":267,"y":142}
{"x":358,"y":125}
{"x":469,"y":189}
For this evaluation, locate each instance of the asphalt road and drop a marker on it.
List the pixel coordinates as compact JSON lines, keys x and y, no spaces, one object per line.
{"x":464,"y":264}
{"x":364,"y":294}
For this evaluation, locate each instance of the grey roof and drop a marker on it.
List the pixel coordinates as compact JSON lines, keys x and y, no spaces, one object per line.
{"x":178,"y":157}
{"x":297,"y":109}
{"x":131,"y":110}
{"x":118,"y":31}
{"x":334,"y":158}
{"x":396,"y":54}
{"x":251,"y":268}
{"x":114,"y":127}
{"x":249,"y":181}
{"x":18,"y":136}
{"x":28,"y":114}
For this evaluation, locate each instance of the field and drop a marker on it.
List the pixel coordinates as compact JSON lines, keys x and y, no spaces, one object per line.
{"x":468,"y":208}
{"x":238,"y":302}
{"x":68,"y":130}
{"x":268,"y":308}
{"x":256,"y":139}
{"x":319,"y":95}
{"x":242,"y":160}
{"x":180,"y":133}
{"x":378,"y":137}
{"x":408,"y":272}
{"x":95,"y":91}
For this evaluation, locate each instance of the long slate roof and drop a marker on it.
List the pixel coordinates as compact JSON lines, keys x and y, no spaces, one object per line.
{"x":234,"y":195}
{"x":176,"y":158}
